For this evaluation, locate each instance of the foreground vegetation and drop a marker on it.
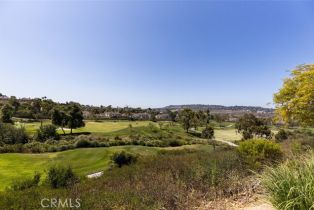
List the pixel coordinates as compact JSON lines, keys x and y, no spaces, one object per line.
{"x":153,"y":182}
{"x":291,"y":185}
{"x":83,"y":161}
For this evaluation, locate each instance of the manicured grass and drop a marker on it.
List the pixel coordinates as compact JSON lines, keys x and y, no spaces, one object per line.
{"x":110,"y":126}
{"x":32,"y":127}
{"x":13,"y":166}
{"x":83,"y":161}
{"x":100,"y":128}
{"x":227,"y":135}
{"x":121,"y":128}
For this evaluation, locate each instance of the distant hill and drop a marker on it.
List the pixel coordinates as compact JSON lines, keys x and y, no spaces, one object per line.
{"x":220,"y":108}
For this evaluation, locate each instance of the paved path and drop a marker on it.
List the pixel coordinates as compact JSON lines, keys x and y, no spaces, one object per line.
{"x":228,"y":142}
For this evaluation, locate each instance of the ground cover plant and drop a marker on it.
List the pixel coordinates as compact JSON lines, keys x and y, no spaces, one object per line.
{"x":291,"y":184}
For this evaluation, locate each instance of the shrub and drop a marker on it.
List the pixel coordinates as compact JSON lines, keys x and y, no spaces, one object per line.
{"x":123,"y":158}
{"x":291,"y":185}
{"x":36,"y":147}
{"x":258,"y":151}
{"x":281,"y":135}
{"x":60,"y":176}
{"x":83,"y":143}
{"x":175,"y":143}
{"x":46,"y":132}
{"x":12,"y":135}
{"x":26,"y":183}
{"x":117,"y":138}
{"x":12,"y":148}
{"x":208,"y":132}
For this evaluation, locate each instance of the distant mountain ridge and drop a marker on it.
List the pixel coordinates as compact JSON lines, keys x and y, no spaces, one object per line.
{"x":218,"y":107}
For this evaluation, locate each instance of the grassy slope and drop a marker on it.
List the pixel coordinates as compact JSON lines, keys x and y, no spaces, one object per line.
{"x":88,"y":160}
{"x":83,"y":161}
{"x":100,"y":128}
{"x":110,"y":126}
{"x":120,"y":128}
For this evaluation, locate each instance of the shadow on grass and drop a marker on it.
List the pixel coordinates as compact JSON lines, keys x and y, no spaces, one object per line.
{"x":76,"y":134}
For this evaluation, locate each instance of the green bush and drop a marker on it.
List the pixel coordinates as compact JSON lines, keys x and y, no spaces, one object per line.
{"x":291,"y":185}
{"x":83,"y":143}
{"x":175,"y":143}
{"x":12,"y":135}
{"x":46,"y":132}
{"x":60,"y":176}
{"x":26,"y":183}
{"x":35,"y":147}
{"x":281,"y":135}
{"x":258,"y":151}
{"x":8,"y":148}
{"x":117,"y":138}
{"x":208,"y":132}
{"x":123,"y":158}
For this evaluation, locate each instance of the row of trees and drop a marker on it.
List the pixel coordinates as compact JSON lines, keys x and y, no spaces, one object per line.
{"x":250,"y":126}
{"x":67,"y":115}
{"x":38,"y":108}
{"x":194,"y":119}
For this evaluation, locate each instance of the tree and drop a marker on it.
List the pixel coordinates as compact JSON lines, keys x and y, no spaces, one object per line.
{"x":59,"y":118}
{"x":47,"y":106}
{"x":172,"y":115}
{"x":36,"y":108}
{"x":251,"y":126}
{"x":75,"y":117}
{"x":202,"y":118}
{"x":186,"y":119}
{"x":295,"y":100}
{"x":14,"y":103}
{"x":195,"y":120}
{"x":6,"y":114}
{"x":208,"y":116}
{"x":208,"y":133}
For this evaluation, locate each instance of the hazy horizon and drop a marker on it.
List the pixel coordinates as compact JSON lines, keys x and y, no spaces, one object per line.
{"x":153,"y":54}
{"x":21,"y":97}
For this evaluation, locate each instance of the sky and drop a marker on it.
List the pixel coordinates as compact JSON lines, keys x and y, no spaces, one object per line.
{"x":153,"y":53}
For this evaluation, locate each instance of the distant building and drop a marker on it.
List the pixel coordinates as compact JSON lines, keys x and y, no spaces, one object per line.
{"x":233,"y":119}
{"x":110,"y":115}
{"x":141,"y":116}
{"x":163,"y":117}
{"x":4,"y":97}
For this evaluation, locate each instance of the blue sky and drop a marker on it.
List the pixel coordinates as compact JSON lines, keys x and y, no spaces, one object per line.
{"x":153,"y":54}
